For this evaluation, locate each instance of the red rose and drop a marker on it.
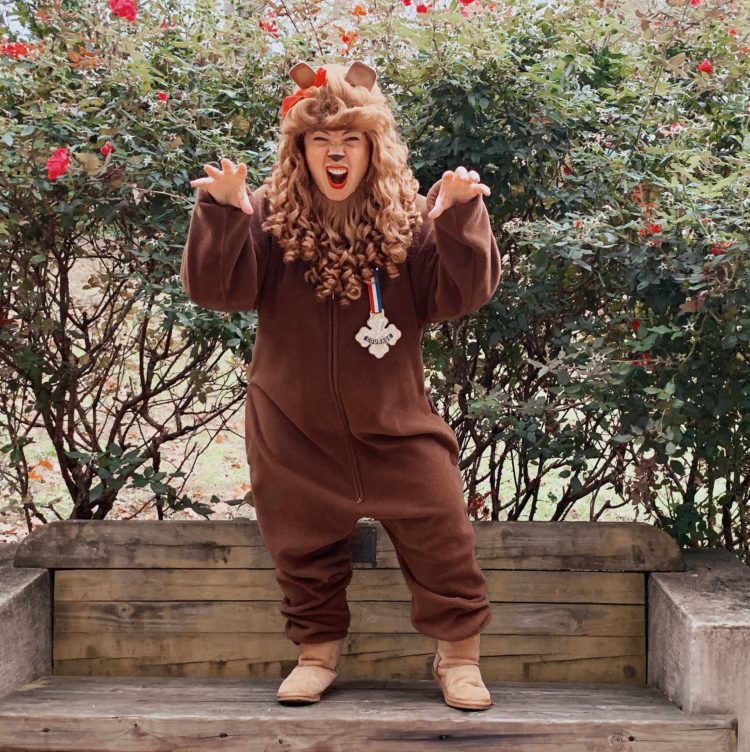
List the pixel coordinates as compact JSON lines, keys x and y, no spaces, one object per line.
{"x":14,"y":49}
{"x":162,"y":95}
{"x":654,"y":229}
{"x":58,"y":163}
{"x":123,"y":8}
{"x":635,"y":324}
{"x":705,"y":66}
{"x":106,"y":149}
{"x":422,"y":8}
{"x":270,"y":27}
{"x":719,"y":248}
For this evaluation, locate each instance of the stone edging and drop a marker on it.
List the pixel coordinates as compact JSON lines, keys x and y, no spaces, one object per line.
{"x":25,"y":622}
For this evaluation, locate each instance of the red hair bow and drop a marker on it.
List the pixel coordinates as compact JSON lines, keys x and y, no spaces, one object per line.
{"x":288,"y":102}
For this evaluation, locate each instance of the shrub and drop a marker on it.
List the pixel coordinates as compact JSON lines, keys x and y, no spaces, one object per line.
{"x":613,"y":360}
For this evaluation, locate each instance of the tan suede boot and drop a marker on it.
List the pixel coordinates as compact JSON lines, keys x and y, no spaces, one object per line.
{"x":313,"y":674}
{"x":456,"y":670}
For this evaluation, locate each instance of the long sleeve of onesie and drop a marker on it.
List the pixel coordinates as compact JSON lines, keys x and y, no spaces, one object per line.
{"x":456,"y":267}
{"x":225,"y":255}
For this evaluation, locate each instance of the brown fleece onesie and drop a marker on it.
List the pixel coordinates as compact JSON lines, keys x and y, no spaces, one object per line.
{"x":333,"y":433}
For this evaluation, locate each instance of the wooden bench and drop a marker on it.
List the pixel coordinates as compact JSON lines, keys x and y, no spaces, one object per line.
{"x":168,"y":635}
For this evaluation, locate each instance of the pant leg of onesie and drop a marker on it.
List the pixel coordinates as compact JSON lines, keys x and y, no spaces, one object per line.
{"x":309,"y":544}
{"x":436,"y":553}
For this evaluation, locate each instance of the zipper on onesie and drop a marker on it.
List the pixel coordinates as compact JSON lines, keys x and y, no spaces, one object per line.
{"x":333,"y":331}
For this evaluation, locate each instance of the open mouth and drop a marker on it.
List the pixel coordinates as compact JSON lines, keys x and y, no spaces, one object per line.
{"x":337,"y":176}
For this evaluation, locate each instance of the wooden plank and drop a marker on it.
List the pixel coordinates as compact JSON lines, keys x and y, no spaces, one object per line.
{"x":618,"y":670}
{"x":366,"y":585}
{"x":366,"y":616}
{"x":373,"y":647}
{"x":161,"y":544}
{"x":149,"y":690}
{"x":164,"y":714}
{"x":172,"y":544}
{"x":364,"y":656}
{"x":572,"y":546}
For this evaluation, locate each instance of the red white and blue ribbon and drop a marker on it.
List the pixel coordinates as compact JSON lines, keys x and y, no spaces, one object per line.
{"x":376,"y":301}
{"x":377,"y":335}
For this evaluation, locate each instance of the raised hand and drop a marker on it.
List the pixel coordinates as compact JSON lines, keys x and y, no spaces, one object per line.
{"x":227,"y":185}
{"x":457,"y":188}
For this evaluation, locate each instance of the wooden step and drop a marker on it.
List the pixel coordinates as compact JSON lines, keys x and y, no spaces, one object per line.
{"x":160,"y":714}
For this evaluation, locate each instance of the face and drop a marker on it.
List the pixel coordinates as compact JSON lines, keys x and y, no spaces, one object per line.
{"x":337,"y":160}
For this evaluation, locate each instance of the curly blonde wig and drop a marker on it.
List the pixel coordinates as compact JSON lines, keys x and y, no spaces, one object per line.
{"x":341,"y":240}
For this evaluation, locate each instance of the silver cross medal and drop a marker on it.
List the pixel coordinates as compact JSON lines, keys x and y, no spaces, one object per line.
{"x":378,"y":335}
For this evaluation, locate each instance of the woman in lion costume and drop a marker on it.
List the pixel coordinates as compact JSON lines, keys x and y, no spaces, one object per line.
{"x":339,"y":425}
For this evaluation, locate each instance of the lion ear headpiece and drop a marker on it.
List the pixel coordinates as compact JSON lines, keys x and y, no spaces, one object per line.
{"x":306,"y":78}
{"x":358,"y":74}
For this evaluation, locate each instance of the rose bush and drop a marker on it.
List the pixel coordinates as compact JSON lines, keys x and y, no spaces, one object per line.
{"x":611,"y":367}
{"x":615,"y":353}
{"x":103,"y":125}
